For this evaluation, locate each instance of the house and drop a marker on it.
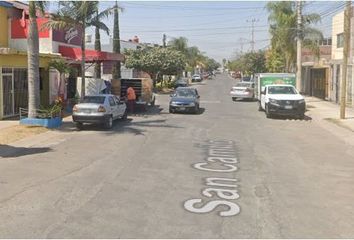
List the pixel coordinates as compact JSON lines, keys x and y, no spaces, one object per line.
{"x":316,"y":70}
{"x":13,"y":62}
{"x":337,"y":60}
{"x":53,"y":44}
{"x":106,"y":67}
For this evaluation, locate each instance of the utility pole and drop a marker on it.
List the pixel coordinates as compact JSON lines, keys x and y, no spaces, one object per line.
{"x":253,"y":20}
{"x":241,"y":41}
{"x":298,"y":45}
{"x":343,"y":84}
{"x":164,"y":40}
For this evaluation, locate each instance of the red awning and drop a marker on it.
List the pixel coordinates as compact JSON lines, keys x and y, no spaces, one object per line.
{"x":90,"y":55}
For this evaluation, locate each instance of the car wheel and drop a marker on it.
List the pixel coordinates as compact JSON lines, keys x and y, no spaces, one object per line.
{"x":170,"y":110}
{"x":196,"y":109}
{"x":125,"y":115}
{"x":152,"y":104}
{"x":234,"y":99}
{"x":79,"y":125}
{"x":301,"y":116}
{"x":268,"y":114}
{"x":109,"y":123}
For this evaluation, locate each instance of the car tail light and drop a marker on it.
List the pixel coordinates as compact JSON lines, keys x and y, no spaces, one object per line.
{"x":75,"y":109}
{"x":101,"y":109}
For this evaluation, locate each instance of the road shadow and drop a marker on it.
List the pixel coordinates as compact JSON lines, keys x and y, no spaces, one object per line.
{"x":7,"y":151}
{"x":278,"y":117}
{"x":148,"y":111}
{"x":245,"y":100}
{"x":200,"y":112}
{"x":136,"y":127}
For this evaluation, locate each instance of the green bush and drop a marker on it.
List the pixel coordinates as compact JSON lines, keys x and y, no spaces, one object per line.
{"x":52,"y":111}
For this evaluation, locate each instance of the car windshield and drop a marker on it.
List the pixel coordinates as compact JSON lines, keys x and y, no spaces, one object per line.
{"x":185,"y":93}
{"x":93,"y":99}
{"x":281,"y":90}
{"x":246,"y":79}
{"x":243,"y":84}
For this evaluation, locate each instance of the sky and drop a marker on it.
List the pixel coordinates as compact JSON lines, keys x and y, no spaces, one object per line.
{"x":219,"y":29}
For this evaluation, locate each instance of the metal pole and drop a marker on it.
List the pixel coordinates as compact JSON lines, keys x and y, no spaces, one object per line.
{"x":343,"y":87}
{"x":252,"y":41}
{"x":298,"y":46}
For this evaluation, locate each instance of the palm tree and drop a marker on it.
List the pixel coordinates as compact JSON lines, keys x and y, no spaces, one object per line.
{"x":283,"y":28}
{"x":33,"y":58}
{"x":77,"y":14}
{"x":99,"y":25}
{"x":116,"y":72}
{"x":179,"y":44}
{"x":62,"y":67}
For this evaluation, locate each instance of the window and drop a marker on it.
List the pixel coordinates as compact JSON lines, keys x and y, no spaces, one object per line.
{"x":112,"y":102}
{"x":340,"y":40}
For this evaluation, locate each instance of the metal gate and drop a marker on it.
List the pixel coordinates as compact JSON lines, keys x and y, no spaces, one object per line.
{"x":15,"y":90}
{"x":7,"y":92}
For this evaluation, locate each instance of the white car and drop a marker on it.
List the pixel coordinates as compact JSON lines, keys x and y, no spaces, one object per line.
{"x":102,"y":108}
{"x":281,"y":99}
{"x":242,"y":90}
{"x":196,"y":78}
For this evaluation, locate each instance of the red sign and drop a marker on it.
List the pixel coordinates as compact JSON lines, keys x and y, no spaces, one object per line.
{"x":71,"y":36}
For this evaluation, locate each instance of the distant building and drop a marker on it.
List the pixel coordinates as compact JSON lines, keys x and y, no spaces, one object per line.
{"x":106,"y":67}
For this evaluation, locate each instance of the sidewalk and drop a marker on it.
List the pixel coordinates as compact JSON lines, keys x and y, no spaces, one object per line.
{"x":12,"y":132}
{"x":319,"y":109}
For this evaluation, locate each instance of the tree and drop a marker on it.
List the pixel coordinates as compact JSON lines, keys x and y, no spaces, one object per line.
{"x":249,"y":63}
{"x":180,"y":44}
{"x":283,"y":29}
{"x":62,"y":67}
{"x":33,"y":58}
{"x":116,"y":72}
{"x":155,"y":61}
{"x":99,"y":25}
{"x":80,"y":15}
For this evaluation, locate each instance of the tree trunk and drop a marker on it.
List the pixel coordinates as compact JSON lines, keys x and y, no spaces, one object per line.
{"x":33,"y":63}
{"x":116,"y":73}
{"x":83,"y":62}
{"x":97,"y":48}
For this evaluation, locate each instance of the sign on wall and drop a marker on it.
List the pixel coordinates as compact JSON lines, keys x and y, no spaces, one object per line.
{"x":71,"y":36}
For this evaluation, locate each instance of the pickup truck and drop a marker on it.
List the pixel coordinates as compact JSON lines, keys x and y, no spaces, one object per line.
{"x":277,"y":95}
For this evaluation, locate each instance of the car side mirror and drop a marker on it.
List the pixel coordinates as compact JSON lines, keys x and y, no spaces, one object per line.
{"x":198,"y":96}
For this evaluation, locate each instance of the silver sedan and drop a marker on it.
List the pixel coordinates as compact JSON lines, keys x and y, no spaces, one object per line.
{"x":102,"y":108}
{"x":242,"y":90}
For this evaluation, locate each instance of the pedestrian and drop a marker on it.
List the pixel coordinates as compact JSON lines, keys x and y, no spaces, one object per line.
{"x":131,"y":97}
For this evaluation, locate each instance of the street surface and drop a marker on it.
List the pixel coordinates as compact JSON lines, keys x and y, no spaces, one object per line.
{"x":153,"y":176}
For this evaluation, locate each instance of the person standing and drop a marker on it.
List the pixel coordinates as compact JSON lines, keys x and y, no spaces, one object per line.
{"x":131,"y":97}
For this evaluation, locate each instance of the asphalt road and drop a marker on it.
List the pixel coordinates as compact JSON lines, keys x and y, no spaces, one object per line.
{"x":228,"y":172}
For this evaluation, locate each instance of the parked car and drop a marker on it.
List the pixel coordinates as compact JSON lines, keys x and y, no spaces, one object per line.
{"x":196,"y":78}
{"x":101,"y":109}
{"x":242,"y":90}
{"x":282,"y":99}
{"x":182,"y":82}
{"x":246,"y":79}
{"x":184,"y":99}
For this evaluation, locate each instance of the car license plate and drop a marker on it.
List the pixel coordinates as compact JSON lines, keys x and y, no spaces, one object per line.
{"x":182,"y":108}
{"x":86,"y":111}
{"x":288,"y":107}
